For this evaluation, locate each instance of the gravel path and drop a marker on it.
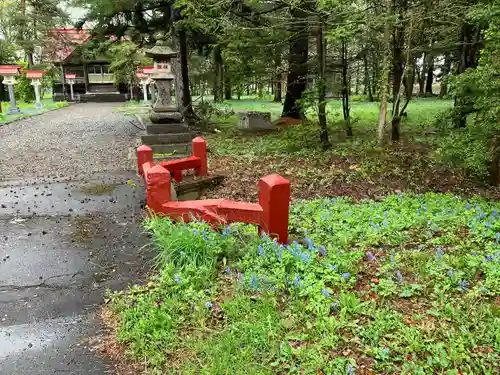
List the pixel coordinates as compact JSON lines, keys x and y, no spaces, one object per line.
{"x":70,"y":229}
{"x":80,"y":140}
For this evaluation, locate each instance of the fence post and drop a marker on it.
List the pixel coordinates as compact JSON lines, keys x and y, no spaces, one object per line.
{"x":158,"y":187}
{"x":274,"y":198}
{"x":199,"y":149}
{"x":144,"y":154}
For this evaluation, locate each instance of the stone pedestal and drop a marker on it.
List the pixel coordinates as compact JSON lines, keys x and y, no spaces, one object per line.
{"x":255,"y":121}
{"x":13,"y":105}
{"x":36,"y":85}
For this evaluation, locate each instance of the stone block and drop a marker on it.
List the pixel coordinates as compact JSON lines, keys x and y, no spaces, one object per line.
{"x":165,"y":117}
{"x":166,"y":128}
{"x":252,"y":120}
{"x":173,"y":149}
{"x":165,"y":139}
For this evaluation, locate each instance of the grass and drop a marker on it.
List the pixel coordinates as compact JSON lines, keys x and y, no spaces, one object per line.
{"x":28,"y":109}
{"x":405,"y":285}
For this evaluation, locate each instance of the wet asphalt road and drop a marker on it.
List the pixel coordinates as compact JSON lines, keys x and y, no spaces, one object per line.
{"x":64,"y":240}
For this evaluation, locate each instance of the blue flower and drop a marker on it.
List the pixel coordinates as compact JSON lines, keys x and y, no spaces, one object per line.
{"x":310,"y":243}
{"x":177,"y":278}
{"x":451,"y":274}
{"x":350,"y":370}
{"x":322,"y":251}
{"x":204,"y":235}
{"x":494,"y":213}
{"x":420,"y":247}
{"x":439,"y":254}
{"x":464,"y":285}
{"x":226,"y":232}
{"x":346,"y":275}
{"x":253,"y":281}
{"x":261,"y":251}
{"x":296,"y":282}
{"x":195,"y":232}
{"x":468,"y":206}
{"x":227,"y":271}
{"x":399,"y":276}
{"x":208,"y":305}
{"x":370,"y":256}
{"x":325,"y":293}
{"x":333,"y":268}
{"x":305,"y":257}
{"x":489,"y":258}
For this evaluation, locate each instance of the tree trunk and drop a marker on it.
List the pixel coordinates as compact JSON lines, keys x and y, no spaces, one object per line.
{"x":384,"y":90}
{"x":320,"y":51}
{"x":297,"y":61}
{"x":217,"y":82}
{"x":443,"y":91}
{"x":398,"y":63}
{"x":277,"y":80}
{"x":368,"y":84}
{"x":345,"y":90}
{"x":180,"y":66}
{"x":468,"y":58}
{"x":227,"y":85}
{"x":430,"y":78}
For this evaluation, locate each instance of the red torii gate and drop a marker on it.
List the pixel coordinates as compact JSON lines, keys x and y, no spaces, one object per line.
{"x":270,"y":214}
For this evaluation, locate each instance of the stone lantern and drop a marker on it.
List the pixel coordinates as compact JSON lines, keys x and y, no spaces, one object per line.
{"x":36,"y":81}
{"x":163,"y":111}
{"x":70,"y":80}
{"x":143,"y":80}
{"x":9,"y":73}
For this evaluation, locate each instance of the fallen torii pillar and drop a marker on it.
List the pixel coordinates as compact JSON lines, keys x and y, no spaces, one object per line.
{"x":270,"y":213}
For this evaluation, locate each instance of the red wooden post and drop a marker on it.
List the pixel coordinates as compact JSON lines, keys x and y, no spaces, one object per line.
{"x":177,"y":175}
{"x":274,"y":198}
{"x":144,"y":154}
{"x":199,"y":149}
{"x":157,"y":188}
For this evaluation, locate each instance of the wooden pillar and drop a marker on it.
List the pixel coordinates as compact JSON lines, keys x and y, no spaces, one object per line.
{"x":86,"y":75}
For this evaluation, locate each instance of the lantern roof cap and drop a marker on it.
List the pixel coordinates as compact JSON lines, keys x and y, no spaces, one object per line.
{"x":160,"y":51}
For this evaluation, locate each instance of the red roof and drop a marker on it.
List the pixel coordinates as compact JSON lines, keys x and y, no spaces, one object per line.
{"x":63,"y":43}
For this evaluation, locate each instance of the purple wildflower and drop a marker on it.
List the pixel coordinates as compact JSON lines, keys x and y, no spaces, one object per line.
{"x":209,"y":305}
{"x":325,"y":293}
{"x":439,"y":254}
{"x":370,"y":256}
{"x":333,"y":268}
{"x":494,"y":213}
{"x":420,"y":247}
{"x":464,"y":285}
{"x":204,"y":235}
{"x":296,"y":282}
{"x":322,"y":251}
{"x":227,"y":271}
{"x":261,"y":251}
{"x":489,"y":258}
{"x":346,"y":275}
{"x":195,"y":232}
{"x":253,"y":281}
{"x":399,"y":276}
{"x":305,"y":257}
{"x":350,"y":370}
{"x":310,"y":243}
